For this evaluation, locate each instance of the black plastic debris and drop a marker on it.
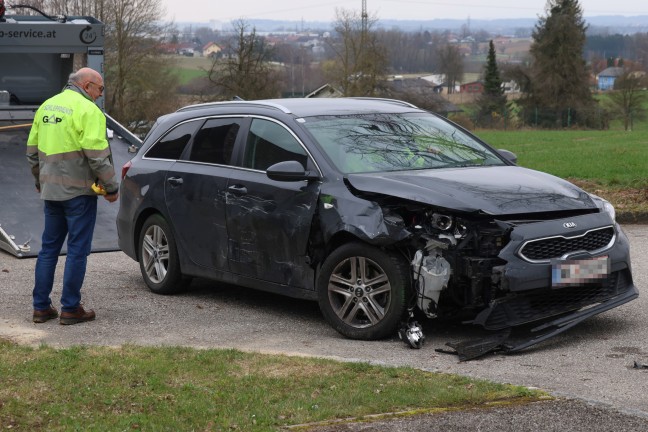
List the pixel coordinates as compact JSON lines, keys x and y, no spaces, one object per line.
{"x":469,"y":350}
{"x":638,"y":365}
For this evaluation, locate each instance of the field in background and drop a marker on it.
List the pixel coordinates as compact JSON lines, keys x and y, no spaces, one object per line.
{"x":189,"y":68}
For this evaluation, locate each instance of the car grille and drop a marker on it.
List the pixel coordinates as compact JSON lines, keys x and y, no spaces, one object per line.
{"x":556,"y":247}
{"x":523,"y":308}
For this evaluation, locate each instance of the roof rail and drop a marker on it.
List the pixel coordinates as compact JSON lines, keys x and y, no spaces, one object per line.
{"x":237,"y":102}
{"x":394,"y":101}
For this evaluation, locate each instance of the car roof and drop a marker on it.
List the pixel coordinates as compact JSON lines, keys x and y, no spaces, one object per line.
{"x":306,"y":107}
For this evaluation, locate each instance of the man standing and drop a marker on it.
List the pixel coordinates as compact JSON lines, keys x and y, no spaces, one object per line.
{"x":68,"y":152}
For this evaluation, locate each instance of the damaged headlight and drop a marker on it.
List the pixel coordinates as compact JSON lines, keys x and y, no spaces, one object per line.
{"x":605,"y":206}
{"x":451,"y":227}
{"x":441,"y":222}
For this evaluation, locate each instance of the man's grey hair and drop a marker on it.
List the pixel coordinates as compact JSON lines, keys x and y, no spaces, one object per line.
{"x":82,"y":75}
{"x":75,"y":77}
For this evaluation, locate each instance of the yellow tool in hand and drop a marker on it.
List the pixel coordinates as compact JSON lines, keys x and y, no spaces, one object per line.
{"x":98,"y":189}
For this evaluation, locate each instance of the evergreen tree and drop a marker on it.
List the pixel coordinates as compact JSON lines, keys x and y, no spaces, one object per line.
{"x":559,"y":95}
{"x":492,"y":103}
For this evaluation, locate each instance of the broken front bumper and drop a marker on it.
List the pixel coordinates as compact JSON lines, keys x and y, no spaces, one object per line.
{"x":531,"y":297}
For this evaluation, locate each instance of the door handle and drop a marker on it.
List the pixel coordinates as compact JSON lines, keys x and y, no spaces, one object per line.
{"x":175,"y":181}
{"x":238,"y":189}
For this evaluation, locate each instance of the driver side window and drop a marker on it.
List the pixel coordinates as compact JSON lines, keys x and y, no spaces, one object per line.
{"x":269,"y":143}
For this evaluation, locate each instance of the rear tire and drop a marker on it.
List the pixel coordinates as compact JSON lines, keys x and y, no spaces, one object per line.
{"x":362,"y":291}
{"x":158,"y":257}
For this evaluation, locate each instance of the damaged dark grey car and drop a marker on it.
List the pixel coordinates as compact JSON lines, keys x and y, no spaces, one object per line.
{"x":376,"y":209}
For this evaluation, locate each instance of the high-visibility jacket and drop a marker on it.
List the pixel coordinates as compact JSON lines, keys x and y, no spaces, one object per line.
{"x":67,"y":147}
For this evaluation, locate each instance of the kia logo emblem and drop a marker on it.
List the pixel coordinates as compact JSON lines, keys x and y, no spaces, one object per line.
{"x":569,"y":224}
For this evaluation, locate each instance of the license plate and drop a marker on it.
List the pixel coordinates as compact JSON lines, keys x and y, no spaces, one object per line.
{"x":579,"y":272}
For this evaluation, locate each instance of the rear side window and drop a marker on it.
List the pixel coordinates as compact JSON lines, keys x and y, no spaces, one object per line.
{"x":214,"y":142}
{"x":269,"y":143}
{"x":173,"y":143}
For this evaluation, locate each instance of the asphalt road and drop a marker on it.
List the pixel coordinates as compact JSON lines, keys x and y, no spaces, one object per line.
{"x":592,"y":362}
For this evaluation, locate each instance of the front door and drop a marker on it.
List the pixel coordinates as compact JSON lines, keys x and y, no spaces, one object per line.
{"x":268,"y":221}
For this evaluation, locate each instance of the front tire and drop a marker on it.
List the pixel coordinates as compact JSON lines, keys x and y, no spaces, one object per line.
{"x":158,"y":257}
{"x":362,"y":291}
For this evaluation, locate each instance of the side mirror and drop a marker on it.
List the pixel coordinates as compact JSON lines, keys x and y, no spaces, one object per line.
{"x":508,"y":155}
{"x":289,"y":171}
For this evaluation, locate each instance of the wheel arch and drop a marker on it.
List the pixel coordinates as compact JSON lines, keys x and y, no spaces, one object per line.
{"x":387,"y":258}
{"x":139,"y":223}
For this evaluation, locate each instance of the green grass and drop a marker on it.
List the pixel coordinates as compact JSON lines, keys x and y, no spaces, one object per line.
{"x":189,"y":68}
{"x":138,"y":388}
{"x":185,"y":76}
{"x":611,"y":157}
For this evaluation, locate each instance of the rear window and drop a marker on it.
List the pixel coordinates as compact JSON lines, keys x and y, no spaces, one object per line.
{"x":215,"y":141}
{"x":174,"y":142}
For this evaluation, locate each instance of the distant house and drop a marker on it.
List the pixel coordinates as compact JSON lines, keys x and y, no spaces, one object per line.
{"x":607,"y":77}
{"x":472,"y":87}
{"x":511,"y":87}
{"x":211,"y":50}
{"x":417,"y":91}
{"x":325,"y":91}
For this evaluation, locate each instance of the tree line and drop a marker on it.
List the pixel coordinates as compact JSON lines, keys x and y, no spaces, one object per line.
{"x":356,"y":59}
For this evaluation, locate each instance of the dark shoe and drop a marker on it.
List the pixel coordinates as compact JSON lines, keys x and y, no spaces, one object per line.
{"x":41,"y":316}
{"x":78,"y":316}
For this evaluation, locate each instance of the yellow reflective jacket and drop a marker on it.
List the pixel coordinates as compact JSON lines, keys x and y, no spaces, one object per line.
{"x":67,"y":147}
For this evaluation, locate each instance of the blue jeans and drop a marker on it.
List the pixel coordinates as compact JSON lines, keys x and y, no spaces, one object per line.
{"x":74,"y":218}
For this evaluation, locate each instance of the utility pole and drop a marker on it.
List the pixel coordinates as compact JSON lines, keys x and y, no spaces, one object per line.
{"x":365,"y":19}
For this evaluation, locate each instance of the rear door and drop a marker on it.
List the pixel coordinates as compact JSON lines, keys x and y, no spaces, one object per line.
{"x":268,"y":221}
{"x":195,"y":192}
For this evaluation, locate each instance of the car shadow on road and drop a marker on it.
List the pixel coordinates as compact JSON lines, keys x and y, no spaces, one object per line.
{"x":438,"y":333}
{"x":248,"y":297}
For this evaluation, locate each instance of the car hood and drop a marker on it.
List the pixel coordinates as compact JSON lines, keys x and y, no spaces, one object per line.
{"x":495,"y":190}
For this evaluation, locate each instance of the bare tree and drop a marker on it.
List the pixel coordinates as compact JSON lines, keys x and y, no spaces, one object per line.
{"x":245,"y":71}
{"x":360,"y":59}
{"x":641,"y":48}
{"x":140,"y":84}
{"x":629,"y":97}
{"x":92,"y":8}
{"x":451,"y":65}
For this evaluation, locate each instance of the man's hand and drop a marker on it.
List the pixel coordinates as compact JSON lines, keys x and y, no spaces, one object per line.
{"x":111,"y":197}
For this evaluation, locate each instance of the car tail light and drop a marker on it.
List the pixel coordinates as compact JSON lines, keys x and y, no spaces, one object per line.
{"x":125,"y":169}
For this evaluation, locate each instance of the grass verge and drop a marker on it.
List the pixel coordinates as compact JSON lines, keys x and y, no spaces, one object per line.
{"x":142,"y":388}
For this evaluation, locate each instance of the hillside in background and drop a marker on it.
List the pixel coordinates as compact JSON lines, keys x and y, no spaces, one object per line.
{"x":522,"y":26}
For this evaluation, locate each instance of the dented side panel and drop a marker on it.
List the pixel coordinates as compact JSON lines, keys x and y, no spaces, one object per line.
{"x":196,"y":210}
{"x":269,"y":223}
{"x":341,"y":211}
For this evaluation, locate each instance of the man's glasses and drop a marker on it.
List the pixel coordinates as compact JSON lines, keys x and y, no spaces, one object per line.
{"x":101,"y":88}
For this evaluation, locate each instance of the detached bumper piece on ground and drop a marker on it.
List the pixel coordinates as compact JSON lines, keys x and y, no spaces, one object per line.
{"x":510,"y":340}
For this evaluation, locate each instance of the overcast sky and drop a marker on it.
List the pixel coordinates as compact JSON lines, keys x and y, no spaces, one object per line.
{"x":323,"y":10}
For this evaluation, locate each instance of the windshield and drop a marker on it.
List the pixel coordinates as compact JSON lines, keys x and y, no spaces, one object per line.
{"x":396,"y":142}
